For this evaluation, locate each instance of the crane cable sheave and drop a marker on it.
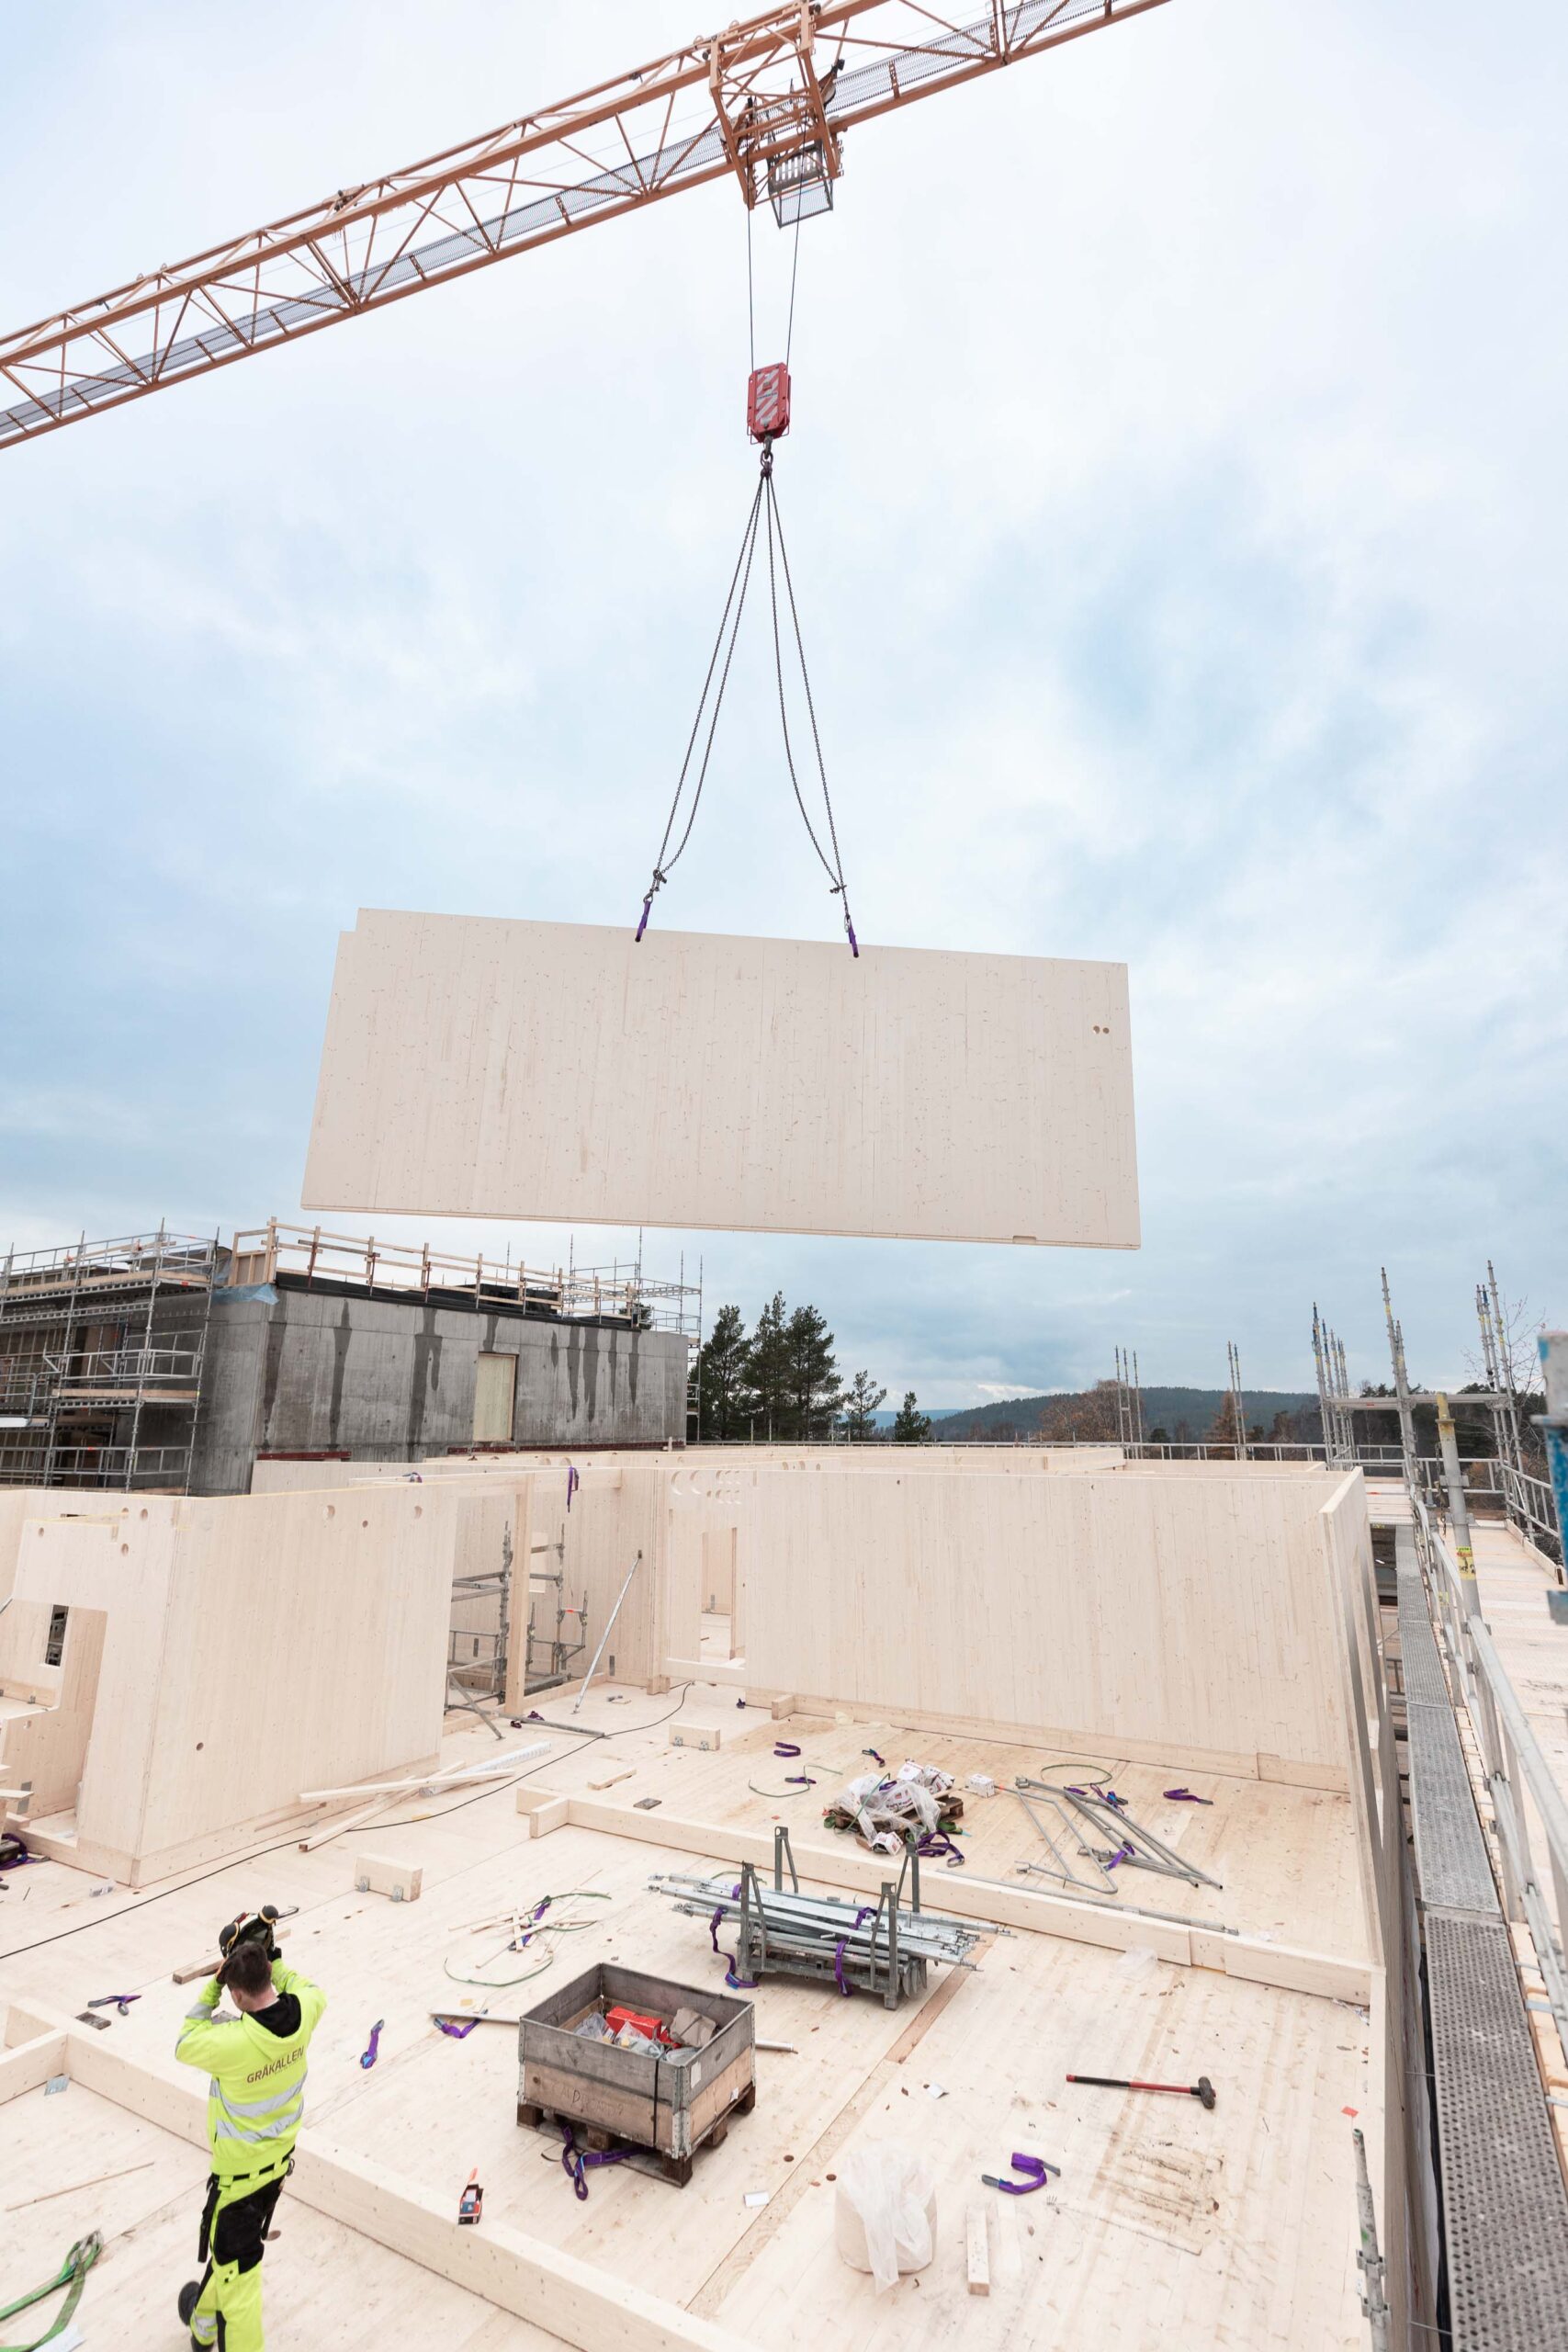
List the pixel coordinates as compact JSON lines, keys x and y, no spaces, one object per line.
{"x":780,"y":143}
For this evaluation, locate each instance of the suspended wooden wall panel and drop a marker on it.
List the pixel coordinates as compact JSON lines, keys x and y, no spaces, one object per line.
{"x":480,"y":1067}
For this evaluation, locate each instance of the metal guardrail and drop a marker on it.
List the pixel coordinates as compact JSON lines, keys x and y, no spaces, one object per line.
{"x":618,"y":1292}
{"x":103,"y":1367}
{"x":1512,"y":1762}
{"x":1530,"y":1505}
{"x":132,"y":1257}
{"x":125,"y":1467}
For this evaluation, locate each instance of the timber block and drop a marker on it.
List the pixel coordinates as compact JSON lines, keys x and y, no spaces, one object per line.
{"x":543,"y":1812}
{"x":977,"y":2257}
{"x":379,"y":1874}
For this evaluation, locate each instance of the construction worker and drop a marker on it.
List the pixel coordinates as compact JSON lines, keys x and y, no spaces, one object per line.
{"x":254,"y":2103}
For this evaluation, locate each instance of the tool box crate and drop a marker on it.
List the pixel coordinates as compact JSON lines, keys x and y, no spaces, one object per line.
{"x":669,"y":2105}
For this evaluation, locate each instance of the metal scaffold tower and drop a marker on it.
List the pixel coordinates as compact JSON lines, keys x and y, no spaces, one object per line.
{"x":102,"y":1349}
{"x":1238,"y":1403}
{"x":1129,"y":1401}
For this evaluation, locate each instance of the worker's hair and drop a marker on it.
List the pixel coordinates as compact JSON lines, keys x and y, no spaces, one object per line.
{"x":248,"y":1971}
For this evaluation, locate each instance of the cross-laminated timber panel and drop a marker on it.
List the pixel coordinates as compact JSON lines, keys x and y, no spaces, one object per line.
{"x":480,"y":1067}
{"x":251,"y":1647}
{"x":1178,"y":1618}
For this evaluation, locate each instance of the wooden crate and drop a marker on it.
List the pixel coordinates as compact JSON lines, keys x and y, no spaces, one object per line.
{"x":668,"y":2105}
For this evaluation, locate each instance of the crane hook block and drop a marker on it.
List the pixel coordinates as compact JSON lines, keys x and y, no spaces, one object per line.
{"x":767,"y":402}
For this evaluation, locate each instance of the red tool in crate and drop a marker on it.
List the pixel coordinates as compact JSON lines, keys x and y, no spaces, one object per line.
{"x":618,"y":2018}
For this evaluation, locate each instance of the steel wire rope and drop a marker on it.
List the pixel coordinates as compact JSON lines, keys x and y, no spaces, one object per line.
{"x":793,"y":268}
{"x":764,"y":503}
{"x":833,"y":869}
{"x":741,"y":577}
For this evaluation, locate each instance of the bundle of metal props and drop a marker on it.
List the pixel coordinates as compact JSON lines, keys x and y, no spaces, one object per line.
{"x":1100,"y":1810}
{"x":881,"y":1946}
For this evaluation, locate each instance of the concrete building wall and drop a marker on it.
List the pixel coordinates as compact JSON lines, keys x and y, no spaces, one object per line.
{"x":295,"y":1371}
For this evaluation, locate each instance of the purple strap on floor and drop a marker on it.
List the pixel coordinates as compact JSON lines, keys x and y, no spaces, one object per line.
{"x":937,"y":1842}
{"x":736,"y":1983}
{"x":1185,"y":1796}
{"x":1123,"y":1854}
{"x":785,"y":1748}
{"x":456,"y":2032}
{"x":799,"y":1781}
{"x":1034,"y":2169}
{"x":368,"y":2059}
{"x":874,"y":1756}
{"x":575,"y":2161}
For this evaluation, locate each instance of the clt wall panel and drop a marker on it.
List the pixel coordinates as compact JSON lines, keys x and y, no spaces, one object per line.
{"x":1183,"y":1615}
{"x":475,"y":1067}
{"x":255,"y":1647}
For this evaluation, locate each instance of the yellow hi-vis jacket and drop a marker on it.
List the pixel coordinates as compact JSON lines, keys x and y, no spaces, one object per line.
{"x":256,"y":2096}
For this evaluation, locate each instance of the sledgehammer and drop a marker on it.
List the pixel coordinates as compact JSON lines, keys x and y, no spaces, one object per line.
{"x":1202,"y":2088}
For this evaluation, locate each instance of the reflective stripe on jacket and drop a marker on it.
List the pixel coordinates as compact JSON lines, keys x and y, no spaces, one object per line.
{"x":255,"y":2098}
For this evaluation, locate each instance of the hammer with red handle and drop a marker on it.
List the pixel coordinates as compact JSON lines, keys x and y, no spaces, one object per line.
{"x":1202,"y":2088}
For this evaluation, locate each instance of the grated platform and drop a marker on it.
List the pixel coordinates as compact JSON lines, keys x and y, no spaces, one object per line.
{"x":1505,"y":2210}
{"x":1451,"y":1859}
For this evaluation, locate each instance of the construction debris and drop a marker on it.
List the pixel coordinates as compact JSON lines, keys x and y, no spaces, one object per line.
{"x":882,"y":1808}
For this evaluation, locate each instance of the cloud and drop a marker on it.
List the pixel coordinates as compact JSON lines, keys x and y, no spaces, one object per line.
{"x":1172,"y":500}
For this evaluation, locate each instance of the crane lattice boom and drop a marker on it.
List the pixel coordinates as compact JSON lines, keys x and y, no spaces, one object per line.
{"x":769,"y":100}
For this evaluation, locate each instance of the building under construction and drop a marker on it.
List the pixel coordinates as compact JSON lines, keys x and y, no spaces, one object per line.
{"x":1017,"y":1900}
{"x":171,"y":1363}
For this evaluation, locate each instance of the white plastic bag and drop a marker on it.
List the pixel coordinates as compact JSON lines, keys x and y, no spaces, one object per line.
{"x":885,"y":2210}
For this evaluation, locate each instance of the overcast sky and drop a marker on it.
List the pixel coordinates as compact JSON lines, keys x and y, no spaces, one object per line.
{"x":1175,"y":499}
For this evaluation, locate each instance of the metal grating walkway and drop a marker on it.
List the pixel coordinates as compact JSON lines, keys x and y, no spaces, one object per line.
{"x":1450,"y":1848}
{"x":1505,"y":2212}
{"x":1505,"y":2209}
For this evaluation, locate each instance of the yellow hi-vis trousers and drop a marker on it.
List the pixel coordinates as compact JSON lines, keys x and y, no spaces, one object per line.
{"x":228,"y":2311}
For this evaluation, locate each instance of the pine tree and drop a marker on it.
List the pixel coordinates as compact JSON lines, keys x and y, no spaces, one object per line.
{"x":769,"y":1387}
{"x":1090,"y":1414}
{"x":816,"y":1391}
{"x":1226,"y":1430}
{"x":861,"y":1400}
{"x":912,"y":1427}
{"x":721,"y":1377}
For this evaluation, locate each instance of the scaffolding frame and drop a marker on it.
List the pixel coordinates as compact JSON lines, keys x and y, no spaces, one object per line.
{"x":45,"y":1390}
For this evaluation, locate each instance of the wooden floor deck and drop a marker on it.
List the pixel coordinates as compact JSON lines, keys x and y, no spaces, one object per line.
{"x":1171,"y":2226}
